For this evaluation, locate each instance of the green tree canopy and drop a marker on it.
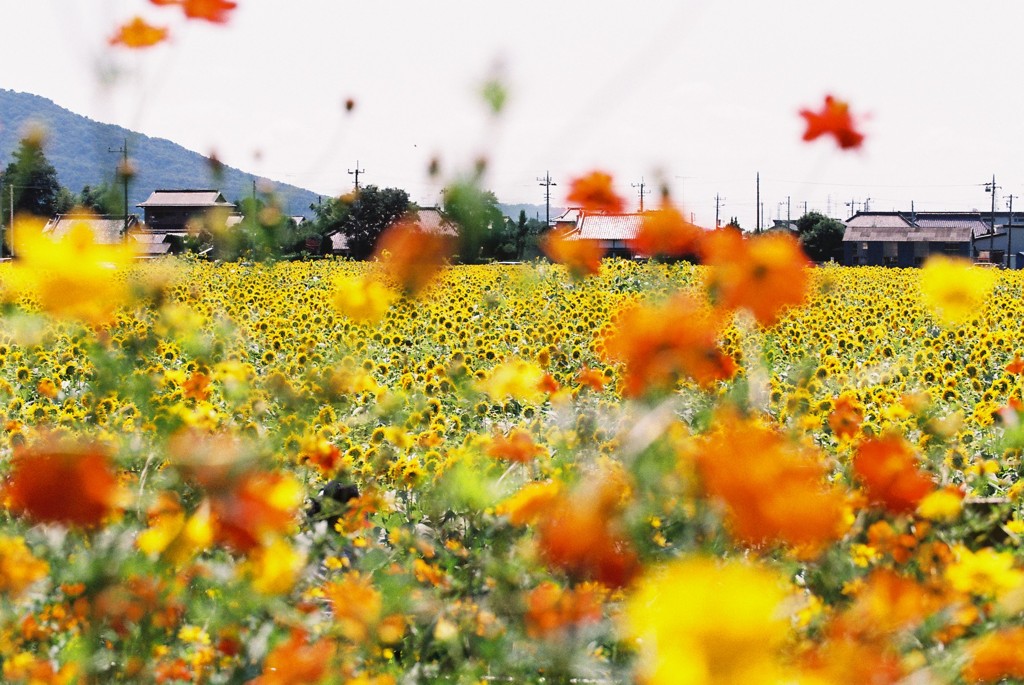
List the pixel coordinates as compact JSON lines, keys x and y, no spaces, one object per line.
{"x":480,"y":221}
{"x":362,"y":216}
{"x":821,"y":237}
{"x":34,"y":179}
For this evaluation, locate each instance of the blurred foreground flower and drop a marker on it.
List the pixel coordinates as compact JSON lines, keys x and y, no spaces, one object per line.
{"x":889,"y":471}
{"x":659,"y":344}
{"x":764,"y":274}
{"x":58,"y":481}
{"x":74,"y":277}
{"x":138,"y":34}
{"x":580,"y":257}
{"x":581,"y":533}
{"x":773,"y":490}
{"x":834,"y":119}
{"x":703,"y":621}
{"x":595,"y":193}
{"x":215,"y":11}
{"x":954,"y":289}
{"x":665,"y":232}
{"x":362,"y":298}
{"x":412,"y":256}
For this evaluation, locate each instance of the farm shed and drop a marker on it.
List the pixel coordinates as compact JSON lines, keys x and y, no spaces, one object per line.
{"x":906,"y":239}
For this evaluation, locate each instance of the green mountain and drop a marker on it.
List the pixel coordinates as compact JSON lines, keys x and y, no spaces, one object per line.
{"x":79,"y":148}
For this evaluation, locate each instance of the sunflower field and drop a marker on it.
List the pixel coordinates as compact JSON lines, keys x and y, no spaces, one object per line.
{"x":744,"y":471}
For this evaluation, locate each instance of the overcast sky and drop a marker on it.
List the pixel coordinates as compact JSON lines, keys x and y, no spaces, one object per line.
{"x":698,"y":94}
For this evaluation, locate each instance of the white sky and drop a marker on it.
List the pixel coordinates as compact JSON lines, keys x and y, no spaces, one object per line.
{"x":700,"y":93}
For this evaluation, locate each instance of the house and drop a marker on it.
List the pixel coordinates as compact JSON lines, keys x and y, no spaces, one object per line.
{"x":433,"y":221}
{"x":907,"y":238}
{"x":613,"y":232}
{"x":1003,"y":246}
{"x":169,"y":211}
{"x":109,"y":229}
{"x":106,"y":230}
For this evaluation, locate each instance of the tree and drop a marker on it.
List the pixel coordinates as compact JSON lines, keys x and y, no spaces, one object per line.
{"x":36,"y":189}
{"x":101,"y":199}
{"x":478,"y":217}
{"x":362,"y":216}
{"x":821,"y":237}
{"x":734,"y":223}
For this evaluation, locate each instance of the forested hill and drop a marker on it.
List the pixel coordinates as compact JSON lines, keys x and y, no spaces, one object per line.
{"x":78,"y":148}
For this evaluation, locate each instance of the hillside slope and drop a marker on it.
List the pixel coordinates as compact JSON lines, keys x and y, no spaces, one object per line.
{"x":79,"y":148}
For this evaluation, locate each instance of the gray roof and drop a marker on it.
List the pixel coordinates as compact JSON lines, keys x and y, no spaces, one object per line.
{"x":906,"y":227}
{"x":105,"y":229}
{"x":186,"y":198}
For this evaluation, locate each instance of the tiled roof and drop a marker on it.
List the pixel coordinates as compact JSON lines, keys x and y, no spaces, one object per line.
{"x":185,"y":198}
{"x":607,"y":227}
{"x":431,"y":220}
{"x":105,"y":229}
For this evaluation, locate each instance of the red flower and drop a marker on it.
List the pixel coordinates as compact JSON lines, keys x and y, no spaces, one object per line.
{"x":215,"y":11}
{"x":581,"y":257}
{"x":595,"y":193}
{"x":763,"y":274}
{"x":834,"y":119}
{"x":665,"y":232}
{"x":888,"y":469}
{"x":59,"y":482}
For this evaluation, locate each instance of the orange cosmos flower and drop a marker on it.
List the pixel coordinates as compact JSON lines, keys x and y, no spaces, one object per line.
{"x":665,"y":232}
{"x":517,"y":446}
{"x":356,"y":603}
{"x":297,"y":661}
{"x":138,"y":34}
{"x":529,"y":504}
{"x":412,"y":256}
{"x":591,"y":378}
{"x":63,"y":482}
{"x":846,"y":417}
{"x":258,"y":506}
{"x":551,"y":608}
{"x":763,"y":274}
{"x":834,"y":119}
{"x":594,"y":192}
{"x":660,"y":344}
{"x":996,"y":656}
{"x":215,"y":11}
{"x":581,"y":534}
{"x":773,"y":490}
{"x":1016,"y":366}
{"x":581,"y":257}
{"x":887,"y":467}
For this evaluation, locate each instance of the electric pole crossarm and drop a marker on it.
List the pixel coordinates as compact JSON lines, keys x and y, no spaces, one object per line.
{"x":547,"y":183}
{"x":356,"y":173}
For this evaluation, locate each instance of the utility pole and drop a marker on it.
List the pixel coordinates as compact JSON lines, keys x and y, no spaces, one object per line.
{"x":547,"y":183}
{"x":1009,"y":230}
{"x":758,"y":207}
{"x":789,"y":214}
{"x":867,"y":204}
{"x":356,"y":174}
{"x":124,"y":171}
{"x":718,"y":203}
{"x":991,"y":188}
{"x":805,"y":207}
{"x":643,"y":191}
{"x":852,"y":204}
